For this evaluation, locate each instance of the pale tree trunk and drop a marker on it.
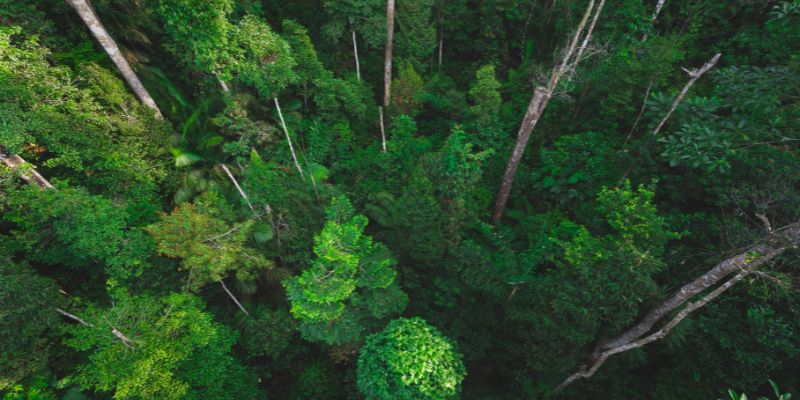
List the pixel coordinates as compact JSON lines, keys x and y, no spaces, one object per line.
{"x":741,"y":264}
{"x":383,"y":132}
{"x":355,"y":54}
{"x":239,"y":188}
{"x":235,"y":300}
{"x":387,"y":63}
{"x":30,"y":176}
{"x":653,"y":19}
{"x":91,"y":20}
{"x":288,"y":139}
{"x":694,"y":75}
{"x":541,"y":96}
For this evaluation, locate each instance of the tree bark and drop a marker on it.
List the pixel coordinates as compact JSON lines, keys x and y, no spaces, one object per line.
{"x":383,"y":132}
{"x":235,"y":300}
{"x":744,"y":263}
{"x":694,"y":75}
{"x":239,"y":188}
{"x":541,"y":96}
{"x":387,"y":64}
{"x":355,"y":53}
{"x":32,"y":176}
{"x":288,"y":139}
{"x":91,"y":20}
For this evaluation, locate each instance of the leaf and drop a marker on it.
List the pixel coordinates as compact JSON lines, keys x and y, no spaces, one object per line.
{"x":262,"y":232}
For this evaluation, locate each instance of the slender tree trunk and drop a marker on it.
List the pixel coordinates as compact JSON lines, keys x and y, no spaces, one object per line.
{"x":288,"y":138}
{"x":239,"y":188}
{"x":383,"y":132}
{"x":235,"y":300}
{"x":91,"y":20}
{"x":744,"y":263}
{"x":355,"y":53}
{"x":694,"y":75}
{"x":541,"y":96}
{"x":387,"y":64}
{"x":31,"y":176}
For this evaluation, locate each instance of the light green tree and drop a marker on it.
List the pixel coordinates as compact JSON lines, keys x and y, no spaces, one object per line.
{"x":410,"y":360}
{"x":351,"y":283}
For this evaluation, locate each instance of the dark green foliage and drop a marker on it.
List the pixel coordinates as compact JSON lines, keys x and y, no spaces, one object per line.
{"x":28,"y":322}
{"x":152,"y":219}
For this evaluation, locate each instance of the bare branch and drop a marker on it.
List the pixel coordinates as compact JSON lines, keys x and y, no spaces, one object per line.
{"x":239,"y":188}
{"x":660,"y":334}
{"x":30,"y":176}
{"x":235,"y":300}
{"x":694,"y":75}
{"x":288,"y":139}
{"x":745,"y":263}
{"x":73,"y":317}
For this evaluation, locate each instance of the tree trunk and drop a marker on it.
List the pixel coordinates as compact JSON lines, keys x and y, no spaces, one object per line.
{"x":288,"y":139}
{"x":744,"y":263}
{"x":541,"y":96}
{"x":235,"y":300}
{"x":383,"y":132}
{"x":355,"y":53}
{"x":32,"y":176}
{"x":91,"y":20}
{"x":535,"y":107}
{"x":387,"y":64}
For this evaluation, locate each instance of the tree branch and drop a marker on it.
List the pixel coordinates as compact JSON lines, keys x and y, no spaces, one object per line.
{"x":694,"y":75}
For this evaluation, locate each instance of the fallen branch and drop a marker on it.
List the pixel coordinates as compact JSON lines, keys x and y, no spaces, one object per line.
{"x":747,"y":261}
{"x":239,"y":188}
{"x":660,"y":334}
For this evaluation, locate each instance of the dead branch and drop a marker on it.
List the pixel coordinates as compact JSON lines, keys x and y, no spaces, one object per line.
{"x":30,"y":176}
{"x":694,"y":75}
{"x":235,"y":300}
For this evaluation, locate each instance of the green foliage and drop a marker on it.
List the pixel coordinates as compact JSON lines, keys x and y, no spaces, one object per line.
{"x":173,"y":350}
{"x":263,"y":59}
{"x":485,"y":95}
{"x":407,"y":91}
{"x":27,"y":322}
{"x":416,"y":33}
{"x":198,"y":32}
{"x":72,"y":228}
{"x":209,"y":246}
{"x":410,"y":359}
{"x":335,"y":296}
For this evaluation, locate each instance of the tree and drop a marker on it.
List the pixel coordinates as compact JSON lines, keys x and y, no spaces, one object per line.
{"x":349,"y":286}
{"x":410,"y":359}
{"x":541,"y":96}
{"x":485,"y":96}
{"x":198,"y":33}
{"x":201,"y":235}
{"x":89,"y":17}
{"x":172,"y":349}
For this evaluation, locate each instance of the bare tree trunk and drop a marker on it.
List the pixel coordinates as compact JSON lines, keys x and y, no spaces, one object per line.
{"x":387,"y":64}
{"x":91,"y":20}
{"x":744,"y":263}
{"x":694,"y":75}
{"x":541,"y":96}
{"x":32,"y":176}
{"x":383,"y":132}
{"x":657,"y":11}
{"x":288,"y":138}
{"x":239,"y":188}
{"x":660,"y":334}
{"x":235,"y":300}
{"x":355,"y":53}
